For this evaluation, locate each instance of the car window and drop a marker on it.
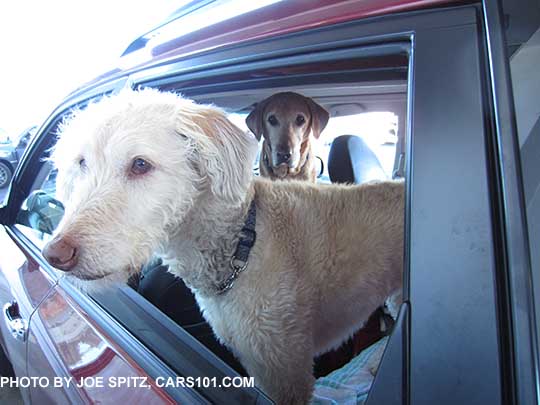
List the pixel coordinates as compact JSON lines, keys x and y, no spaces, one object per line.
{"x":377,"y":126}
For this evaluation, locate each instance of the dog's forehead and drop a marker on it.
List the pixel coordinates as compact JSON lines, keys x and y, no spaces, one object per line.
{"x":287,"y":106}
{"x":116,"y":132}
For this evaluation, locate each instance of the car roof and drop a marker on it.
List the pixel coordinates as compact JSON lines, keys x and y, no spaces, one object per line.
{"x":205,"y":25}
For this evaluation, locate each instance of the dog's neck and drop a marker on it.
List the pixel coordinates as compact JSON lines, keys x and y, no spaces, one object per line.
{"x":305,"y":166}
{"x":200,"y":250}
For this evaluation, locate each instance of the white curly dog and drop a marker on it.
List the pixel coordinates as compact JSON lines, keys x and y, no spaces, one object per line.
{"x":145,"y":171}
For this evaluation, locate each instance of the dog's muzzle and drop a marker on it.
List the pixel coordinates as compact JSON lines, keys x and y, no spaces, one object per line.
{"x":281,"y":171}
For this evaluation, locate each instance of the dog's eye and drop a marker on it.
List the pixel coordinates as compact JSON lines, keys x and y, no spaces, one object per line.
{"x":140,"y":166}
{"x":300,"y":120}
{"x":272,"y":120}
{"x":82,"y":163}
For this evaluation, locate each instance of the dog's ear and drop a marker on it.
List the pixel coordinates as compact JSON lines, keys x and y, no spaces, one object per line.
{"x":254,"y":120}
{"x":224,"y":154}
{"x":319,"y":117}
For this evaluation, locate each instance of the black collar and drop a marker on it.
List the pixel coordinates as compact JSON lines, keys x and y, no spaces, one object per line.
{"x":246,"y":240}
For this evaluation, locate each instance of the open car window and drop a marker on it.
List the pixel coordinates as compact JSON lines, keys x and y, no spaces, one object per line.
{"x":160,"y":301}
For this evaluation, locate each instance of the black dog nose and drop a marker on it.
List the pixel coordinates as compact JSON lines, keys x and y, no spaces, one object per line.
{"x":283,"y":157}
{"x":61,"y":253}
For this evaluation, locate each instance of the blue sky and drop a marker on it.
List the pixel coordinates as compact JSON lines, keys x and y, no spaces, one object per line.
{"x":49,"y":48}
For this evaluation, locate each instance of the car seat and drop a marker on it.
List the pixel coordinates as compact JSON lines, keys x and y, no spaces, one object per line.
{"x":351,"y":160}
{"x":169,"y":293}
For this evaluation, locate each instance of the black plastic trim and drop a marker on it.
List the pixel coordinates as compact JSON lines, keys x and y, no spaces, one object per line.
{"x":389,"y":385}
{"x":454,"y":341}
{"x":400,"y":47}
{"x":516,"y":243}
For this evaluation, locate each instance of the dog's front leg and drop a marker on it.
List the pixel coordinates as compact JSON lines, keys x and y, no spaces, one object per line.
{"x":285,"y":375}
{"x":275,"y":346}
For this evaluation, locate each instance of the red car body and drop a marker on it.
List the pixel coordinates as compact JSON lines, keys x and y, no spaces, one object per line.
{"x":277,"y":19}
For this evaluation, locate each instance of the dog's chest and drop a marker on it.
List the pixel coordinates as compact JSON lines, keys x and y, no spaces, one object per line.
{"x":223,"y":315}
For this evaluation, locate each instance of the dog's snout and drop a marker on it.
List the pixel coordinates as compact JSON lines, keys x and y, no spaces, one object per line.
{"x":283,"y":157}
{"x":61,"y":253}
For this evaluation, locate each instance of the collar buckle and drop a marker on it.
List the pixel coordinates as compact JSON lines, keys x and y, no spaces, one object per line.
{"x":239,"y":260}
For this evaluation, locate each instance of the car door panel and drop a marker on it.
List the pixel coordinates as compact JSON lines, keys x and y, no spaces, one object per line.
{"x":65,"y":343}
{"x":22,"y":286}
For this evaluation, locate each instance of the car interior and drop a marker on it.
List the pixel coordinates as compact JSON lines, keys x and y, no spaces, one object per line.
{"x":364,"y":141}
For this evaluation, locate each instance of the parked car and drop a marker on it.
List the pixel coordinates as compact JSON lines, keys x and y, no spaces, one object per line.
{"x":4,"y":138}
{"x":455,"y":78}
{"x":11,"y":153}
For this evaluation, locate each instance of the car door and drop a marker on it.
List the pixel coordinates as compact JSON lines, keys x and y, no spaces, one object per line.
{"x":71,"y":359}
{"x":22,"y":287}
{"x":65,"y":349}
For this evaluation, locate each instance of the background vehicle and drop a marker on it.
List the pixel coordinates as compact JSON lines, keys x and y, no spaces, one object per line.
{"x":10,"y":154}
{"x":467,"y":331}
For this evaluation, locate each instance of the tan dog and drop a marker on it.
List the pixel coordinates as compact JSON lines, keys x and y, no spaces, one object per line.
{"x":287,"y":121}
{"x":146,"y":172}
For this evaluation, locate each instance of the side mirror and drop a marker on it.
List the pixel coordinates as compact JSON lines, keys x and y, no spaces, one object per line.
{"x":43,"y":212}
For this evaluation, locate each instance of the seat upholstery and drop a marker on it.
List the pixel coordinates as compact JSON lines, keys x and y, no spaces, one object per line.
{"x":352,"y":161}
{"x":175,"y":299}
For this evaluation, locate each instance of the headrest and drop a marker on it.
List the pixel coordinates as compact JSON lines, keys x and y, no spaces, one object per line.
{"x":352,"y":161}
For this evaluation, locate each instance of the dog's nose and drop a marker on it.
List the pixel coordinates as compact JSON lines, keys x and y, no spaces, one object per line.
{"x":61,"y":253}
{"x":283,"y":157}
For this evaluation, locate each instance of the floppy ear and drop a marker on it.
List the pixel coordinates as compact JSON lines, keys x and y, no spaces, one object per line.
{"x":254,"y":119}
{"x":319,"y":117}
{"x":225,"y":154}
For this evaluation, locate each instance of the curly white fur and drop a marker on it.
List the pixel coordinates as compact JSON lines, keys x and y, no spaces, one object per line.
{"x":325,"y":256}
